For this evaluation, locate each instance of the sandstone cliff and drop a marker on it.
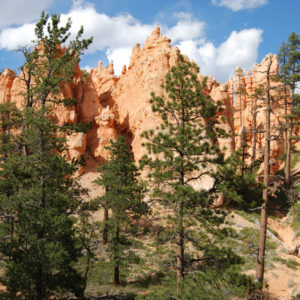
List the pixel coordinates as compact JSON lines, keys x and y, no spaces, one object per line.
{"x":120,"y":105}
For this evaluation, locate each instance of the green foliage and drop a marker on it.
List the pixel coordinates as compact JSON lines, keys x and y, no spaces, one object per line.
{"x":78,"y":127}
{"x":295,"y":157}
{"x":182,"y":151}
{"x":39,"y":199}
{"x":124,"y":198}
{"x":294,"y":218}
{"x":297,"y":297}
{"x":39,"y":242}
{"x":10,"y":118}
{"x":289,"y":58}
{"x":290,"y":263}
{"x":48,"y":63}
{"x":237,"y":184}
{"x":218,"y":276}
{"x":183,"y":141}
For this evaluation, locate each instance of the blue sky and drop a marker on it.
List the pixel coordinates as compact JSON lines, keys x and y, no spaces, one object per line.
{"x":218,"y":34}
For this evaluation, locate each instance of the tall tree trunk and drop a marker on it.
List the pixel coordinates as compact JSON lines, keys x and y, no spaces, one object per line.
{"x":39,"y":284}
{"x":40,"y":231}
{"x":254,"y":142}
{"x":287,"y":136}
{"x":241,"y":113}
{"x":244,"y":150}
{"x":116,"y":275}
{"x":264,"y":210}
{"x":290,"y":128}
{"x":105,"y":219}
{"x":116,"y":267}
{"x":287,"y":170}
{"x":180,"y":226}
{"x":87,"y":268}
{"x":180,"y":248}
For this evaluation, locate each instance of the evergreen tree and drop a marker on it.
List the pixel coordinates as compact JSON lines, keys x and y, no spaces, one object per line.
{"x":283,"y":77}
{"x":36,"y":187}
{"x":240,"y":94}
{"x":10,"y":121}
{"x":244,"y":149}
{"x":266,"y":180}
{"x":256,"y":97}
{"x":124,"y":198}
{"x":238,"y":183}
{"x":182,"y":151}
{"x":289,"y":58}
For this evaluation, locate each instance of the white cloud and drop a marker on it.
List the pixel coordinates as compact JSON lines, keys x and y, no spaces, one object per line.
{"x":15,"y":38}
{"x":114,"y":35}
{"x":87,"y":68}
{"x":108,"y":32}
{"x":15,"y":12}
{"x":241,"y":48}
{"x":185,"y":29}
{"x":297,"y":91}
{"x":117,"y":35}
{"x":119,"y":57}
{"x":237,"y":5}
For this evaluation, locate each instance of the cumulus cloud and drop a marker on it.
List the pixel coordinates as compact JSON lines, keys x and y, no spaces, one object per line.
{"x":87,"y":68}
{"x":116,"y":36}
{"x":108,"y":32}
{"x":15,"y":12}
{"x":186,"y":28}
{"x":241,"y":48}
{"x":15,"y":38}
{"x":119,"y":57}
{"x":237,"y":5}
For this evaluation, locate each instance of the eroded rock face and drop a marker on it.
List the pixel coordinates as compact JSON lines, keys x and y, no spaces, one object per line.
{"x":120,"y":105}
{"x":249,"y":108}
{"x":76,"y":145}
{"x":224,"y":93}
{"x":105,"y":133}
{"x":145,"y":74}
{"x":6,"y":81}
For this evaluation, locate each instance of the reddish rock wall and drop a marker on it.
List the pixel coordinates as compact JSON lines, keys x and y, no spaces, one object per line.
{"x":120,"y":105}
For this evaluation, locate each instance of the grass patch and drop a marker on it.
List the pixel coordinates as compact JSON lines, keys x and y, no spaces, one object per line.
{"x":252,"y":234}
{"x":290,"y":263}
{"x":295,"y":221}
{"x":249,"y":216}
{"x":294,"y":159}
{"x":274,"y":232}
{"x":246,"y":245}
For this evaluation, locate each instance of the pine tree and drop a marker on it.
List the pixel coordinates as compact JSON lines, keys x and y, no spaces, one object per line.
{"x":266,"y":181}
{"x":240,"y":93}
{"x":244,"y":149}
{"x":124,"y":198}
{"x":257,"y":96}
{"x":36,"y":187}
{"x":289,"y":58}
{"x":283,"y":75}
{"x":182,"y":150}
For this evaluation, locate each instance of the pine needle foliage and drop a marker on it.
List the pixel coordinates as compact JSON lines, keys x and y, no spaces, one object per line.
{"x":39,"y":199}
{"x":182,"y":151}
{"x":124,"y":198}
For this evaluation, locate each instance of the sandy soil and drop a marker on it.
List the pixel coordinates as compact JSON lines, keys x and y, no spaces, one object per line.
{"x":283,"y":282}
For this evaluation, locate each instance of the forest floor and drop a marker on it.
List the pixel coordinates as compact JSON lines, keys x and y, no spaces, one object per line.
{"x":282,"y":274}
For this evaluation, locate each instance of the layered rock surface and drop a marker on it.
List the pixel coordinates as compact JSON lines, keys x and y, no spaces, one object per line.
{"x":120,"y":105}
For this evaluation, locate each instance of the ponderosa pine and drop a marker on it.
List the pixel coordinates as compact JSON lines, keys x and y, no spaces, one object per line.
{"x":124,"y":199}
{"x":182,"y":151}
{"x":36,"y":188}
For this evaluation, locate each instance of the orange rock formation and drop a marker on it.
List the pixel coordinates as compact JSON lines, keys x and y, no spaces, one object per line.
{"x":120,"y":105}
